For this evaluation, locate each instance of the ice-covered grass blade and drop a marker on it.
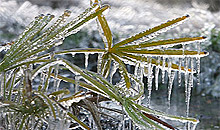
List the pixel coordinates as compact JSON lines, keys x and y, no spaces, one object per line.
{"x":78,"y":121}
{"x":106,"y":30}
{"x":161,"y":28}
{"x":123,"y":71}
{"x":161,"y":43}
{"x":168,"y":53}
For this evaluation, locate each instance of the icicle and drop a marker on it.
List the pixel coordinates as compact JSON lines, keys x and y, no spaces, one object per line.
{"x":171,"y":78}
{"x":77,"y":78}
{"x":99,"y":62}
{"x":192,"y":72}
{"x":163,"y":69}
{"x":157,"y":72}
{"x":86,"y":60}
{"x":73,"y":54}
{"x":113,"y":70}
{"x":169,"y":67}
{"x":149,"y":79}
{"x":187,"y":87}
{"x":179,"y":72}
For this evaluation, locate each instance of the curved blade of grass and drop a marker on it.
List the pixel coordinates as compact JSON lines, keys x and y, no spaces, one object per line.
{"x":150,"y":31}
{"x":123,"y":69}
{"x":77,"y":120}
{"x":163,"y":43}
{"x":106,"y":30}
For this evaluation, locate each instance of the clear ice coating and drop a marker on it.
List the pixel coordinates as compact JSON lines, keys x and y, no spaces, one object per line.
{"x":86,"y":60}
{"x":166,"y":65}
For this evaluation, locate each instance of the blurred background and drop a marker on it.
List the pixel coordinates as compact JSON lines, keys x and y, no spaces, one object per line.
{"x":128,"y":17}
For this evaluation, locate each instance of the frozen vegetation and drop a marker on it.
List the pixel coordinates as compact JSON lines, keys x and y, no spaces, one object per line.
{"x":150,"y":55}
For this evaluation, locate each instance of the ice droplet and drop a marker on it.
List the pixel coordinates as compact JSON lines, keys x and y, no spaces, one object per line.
{"x":86,"y":60}
{"x":163,"y":69}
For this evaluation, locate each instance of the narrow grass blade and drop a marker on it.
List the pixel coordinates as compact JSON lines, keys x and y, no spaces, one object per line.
{"x":123,"y":69}
{"x":169,"y":42}
{"x":106,"y":30}
{"x":151,"y":31}
{"x":78,"y":121}
{"x":168,"y":53}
